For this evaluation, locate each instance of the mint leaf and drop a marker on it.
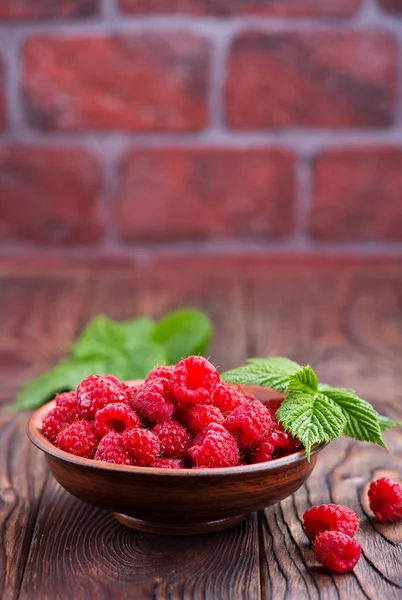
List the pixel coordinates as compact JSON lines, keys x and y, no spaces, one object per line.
{"x":65,"y":376}
{"x":183,"y":333}
{"x":304,"y":380}
{"x":100,"y":338}
{"x":361,"y":419}
{"x":386,"y":423}
{"x":312,"y":419}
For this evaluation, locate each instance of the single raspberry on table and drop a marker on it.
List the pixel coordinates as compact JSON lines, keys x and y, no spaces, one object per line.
{"x":249,"y":424}
{"x":227,"y":397}
{"x":116,"y":417}
{"x":263,"y":452}
{"x":96,"y":392}
{"x":150,"y":402}
{"x":330,"y":517}
{"x":337,"y":551}
{"x":143,"y":444}
{"x":169,"y":463}
{"x":215,"y":447}
{"x":194,"y":379}
{"x":174,"y":438}
{"x":199,"y":416}
{"x":79,"y":438}
{"x":63,"y":414}
{"x":385,"y":497}
{"x":111,"y":450}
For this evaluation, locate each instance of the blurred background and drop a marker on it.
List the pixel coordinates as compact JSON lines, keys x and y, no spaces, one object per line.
{"x":242,"y":156}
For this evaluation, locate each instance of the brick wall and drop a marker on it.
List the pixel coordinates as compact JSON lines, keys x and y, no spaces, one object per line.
{"x":191,"y":125}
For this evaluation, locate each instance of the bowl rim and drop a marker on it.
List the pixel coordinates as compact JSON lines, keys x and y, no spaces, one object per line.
{"x":40,"y":441}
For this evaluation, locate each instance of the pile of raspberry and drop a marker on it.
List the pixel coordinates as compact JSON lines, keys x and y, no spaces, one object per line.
{"x":332,"y":527}
{"x":182,"y":416}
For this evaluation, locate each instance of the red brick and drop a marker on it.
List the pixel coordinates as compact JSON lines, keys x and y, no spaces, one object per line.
{"x":230,"y":7}
{"x":143,"y":82}
{"x":392,"y":6}
{"x":205,"y":193}
{"x":49,"y":196}
{"x":2,"y":98}
{"x":43,"y":9}
{"x":358,"y":195}
{"x":328,"y":79}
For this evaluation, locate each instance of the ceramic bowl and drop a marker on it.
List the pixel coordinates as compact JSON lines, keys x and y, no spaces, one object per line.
{"x":169,"y":501}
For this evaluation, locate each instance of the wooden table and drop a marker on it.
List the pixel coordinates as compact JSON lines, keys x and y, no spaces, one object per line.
{"x":343,"y":318}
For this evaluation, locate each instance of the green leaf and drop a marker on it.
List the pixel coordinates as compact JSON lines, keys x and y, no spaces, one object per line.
{"x":272,"y":372}
{"x":65,"y":376}
{"x":281,"y":363}
{"x":386,"y":423}
{"x":137,"y":329}
{"x":312,"y":419}
{"x":100,"y":338}
{"x":304,"y":380}
{"x":361,"y":419}
{"x":183,"y":333}
{"x":141,"y":358}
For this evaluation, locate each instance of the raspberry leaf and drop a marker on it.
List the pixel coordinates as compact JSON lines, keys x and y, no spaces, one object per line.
{"x":285,"y":365}
{"x":100,"y":338}
{"x":311,"y":418}
{"x":304,"y":380}
{"x":386,"y":423}
{"x":268,"y":372}
{"x":362,"y":421}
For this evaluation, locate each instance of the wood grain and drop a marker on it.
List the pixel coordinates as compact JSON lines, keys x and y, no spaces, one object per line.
{"x":345,"y":320}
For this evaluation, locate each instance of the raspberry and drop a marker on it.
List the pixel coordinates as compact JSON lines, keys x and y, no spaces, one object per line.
{"x":249,"y":424}
{"x":198,"y":416}
{"x":169,"y":463}
{"x":79,"y":438}
{"x":116,"y":417}
{"x":63,"y":414}
{"x":150,"y":402}
{"x":227,"y":398}
{"x":174,"y":438}
{"x":111,"y":450}
{"x":120,"y":384}
{"x":96,"y":392}
{"x":143,"y":444}
{"x":194,"y":379}
{"x":330,"y":517}
{"x":282,"y":441}
{"x":385,"y":498}
{"x":263,"y":453}
{"x":215,"y":447}
{"x":337,"y":551}
{"x":163,"y":375}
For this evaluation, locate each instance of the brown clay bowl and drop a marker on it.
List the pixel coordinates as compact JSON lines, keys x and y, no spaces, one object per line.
{"x":176,"y":502}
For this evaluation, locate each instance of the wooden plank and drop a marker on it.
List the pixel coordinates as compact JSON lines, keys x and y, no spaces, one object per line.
{"x":22,"y":477}
{"x":79,"y":551}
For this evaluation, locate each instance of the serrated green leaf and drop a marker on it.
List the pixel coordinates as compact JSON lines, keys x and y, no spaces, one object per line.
{"x":63,"y":377}
{"x":183,"y":333}
{"x":311,"y":419}
{"x":281,"y":363}
{"x":361,"y":419}
{"x":257,"y":374}
{"x":138,"y":362}
{"x":304,"y":380}
{"x":136,"y":330}
{"x":100,"y":338}
{"x":386,"y":423}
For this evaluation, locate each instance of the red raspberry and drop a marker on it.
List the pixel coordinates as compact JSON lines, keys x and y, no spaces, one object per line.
{"x":150,"y":402}
{"x":215,"y":447}
{"x":169,"y":463}
{"x":175,"y":439}
{"x":79,"y":438}
{"x":249,"y":424}
{"x":263,"y":453}
{"x":163,"y":375}
{"x":120,"y":384}
{"x":330,"y":517}
{"x":95,"y":393}
{"x":143,"y":444}
{"x":282,"y":441}
{"x":116,"y":417}
{"x":385,"y":498}
{"x":111,"y":450}
{"x":194,"y":379}
{"x":198,"y":416}
{"x":63,"y":414}
{"x":337,"y":551}
{"x":227,"y":397}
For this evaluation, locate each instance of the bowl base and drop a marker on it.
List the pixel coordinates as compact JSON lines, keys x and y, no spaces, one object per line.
{"x":179,"y":528}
